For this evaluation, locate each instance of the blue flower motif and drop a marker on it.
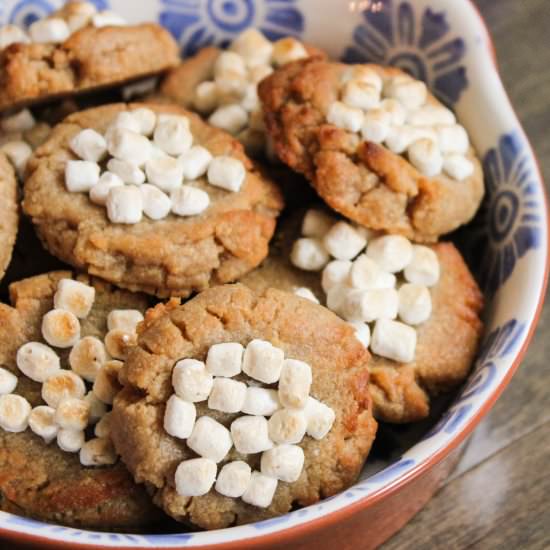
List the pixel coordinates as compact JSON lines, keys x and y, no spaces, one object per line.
{"x":419,"y":43}
{"x":196,"y":24}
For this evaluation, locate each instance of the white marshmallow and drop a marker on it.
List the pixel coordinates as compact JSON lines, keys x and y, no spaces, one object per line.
{"x":335,"y":273}
{"x":179,"y":417}
{"x":195,"y":477}
{"x":81,"y":175}
{"x":70,"y":441}
{"x":286,"y":50}
{"x":336,"y":297}
{"x":12,"y":34}
{"x":89,"y":145}
{"x":250,"y":101}
{"x":263,"y":361}
{"x":117,"y":342}
{"x":369,"y":305}
{"x":191,"y":381}
{"x":18,"y":153}
{"x":233,"y":479}
{"x":225,"y":359}
{"x":205,"y":99}
{"x":210,"y":439}
{"x":316,"y":223}
{"x":98,"y":452}
{"x":165,"y":172}
{"x":108,"y":18}
{"x":189,"y":201}
{"x":253,"y":47}
{"x":125,"y":121}
{"x":257,"y":73}
{"x":392,"y":253}
{"x":362,"y":73}
{"x":125,"y":204}
{"x":226,"y":172}
{"x":231,"y":118}
{"x":424,"y":267}
{"x":431,"y":115}
{"x":146,"y":118}
{"x":343,"y":241}
{"x":320,"y":418}
{"x":366,"y":274}
{"x":129,"y":146}
{"x":458,"y":167}
{"x":345,"y":117}
{"x":360,"y":94}
{"x":37,"y":361}
{"x":229,"y":61}
{"x":294,"y":384}
{"x":376,"y":125}
{"x":8,"y":381}
{"x":362,"y":332}
{"x":231,"y":87}
{"x":287,"y":426}
{"x":126,"y":320}
{"x":19,"y":122}
{"x":106,"y":384}
{"x":156,"y":204}
{"x":250,"y":434}
{"x":309,"y":254}
{"x":261,"y":401}
{"x":53,"y":29}
{"x":399,"y":138}
{"x":172,"y":134}
{"x":424,"y":155}
{"x":397,"y":112}
{"x":82,"y":18}
{"x":126,"y":171}
{"x":87,"y":357}
{"x":62,"y":385}
{"x":98,"y":409}
{"x":306,"y":293}
{"x":283,"y":462}
{"x":100,"y":191}
{"x":74,"y":296}
{"x":195,"y":162}
{"x":72,"y":414}
{"x":42,"y":422}
{"x":394,"y":340}
{"x":411,"y":93}
{"x":60,"y":328}
{"x":103,"y":427}
{"x":453,"y":139}
{"x":14,"y":413}
{"x":227,"y":395}
{"x":415,"y":304}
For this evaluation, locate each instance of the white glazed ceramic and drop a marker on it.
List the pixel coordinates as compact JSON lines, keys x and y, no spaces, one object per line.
{"x":446,"y":43}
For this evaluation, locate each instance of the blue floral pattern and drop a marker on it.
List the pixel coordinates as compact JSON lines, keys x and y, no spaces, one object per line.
{"x":419,"y":43}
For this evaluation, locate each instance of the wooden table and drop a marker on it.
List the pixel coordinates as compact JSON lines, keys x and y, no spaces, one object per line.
{"x":498,"y":496}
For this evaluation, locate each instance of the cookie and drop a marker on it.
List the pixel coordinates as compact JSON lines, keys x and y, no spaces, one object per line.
{"x":297,"y":329}
{"x":9,"y":212}
{"x":173,"y":256}
{"x":42,"y":481}
{"x":376,"y":146}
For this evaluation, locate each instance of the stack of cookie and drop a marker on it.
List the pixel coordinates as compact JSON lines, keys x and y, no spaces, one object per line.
{"x":217,"y":356}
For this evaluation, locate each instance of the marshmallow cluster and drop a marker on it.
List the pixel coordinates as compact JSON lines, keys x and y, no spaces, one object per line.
{"x":274,"y":421}
{"x":147,"y":164}
{"x":370,"y":280}
{"x":70,"y":406}
{"x":397,"y":112}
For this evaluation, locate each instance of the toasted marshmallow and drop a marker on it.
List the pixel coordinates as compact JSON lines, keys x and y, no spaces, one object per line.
{"x":394,"y":340}
{"x":125,"y":204}
{"x":42,"y":423}
{"x":106,"y":384}
{"x":225,"y":359}
{"x":126,"y":171}
{"x":400,"y":138}
{"x":229,"y":61}
{"x":362,"y":332}
{"x":306,"y":293}
{"x":14,"y":413}
{"x":250,"y":434}
{"x":37,"y":361}
{"x":287,"y":426}
{"x":309,"y":254}
{"x":431,"y":115}
{"x":100,"y":191}
{"x":335,"y":273}
{"x":87,"y":357}
{"x":8,"y":381}
{"x":316,"y":223}
{"x":72,"y":414}
{"x":61,"y":328}
{"x":415,"y":304}
{"x":226,"y":172}
{"x":260,"y":491}
{"x":345,"y":117}
{"x":126,"y":320}
{"x":129,"y":146}
{"x":395,"y":109}
{"x":98,"y":452}
{"x":376,"y":125}
{"x":320,"y":418}
{"x":52,"y":29}
{"x":195,"y":477}
{"x":458,"y":166}
{"x":343,"y":241}
{"x":262,"y":361}
{"x":233,"y":479}
{"x":103,"y":427}
{"x":392,"y":253}
{"x":253,"y":47}
{"x":179,"y":417}
{"x":260,"y":401}
{"x":89,"y":145}
{"x":62,"y":385}
{"x":336,"y":297}
{"x":453,"y":139}
{"x":424,"y":155}
{"x":117,"y":343}
{"x":164,"y":172}
{"x":191,"y":381}
{"x":205,"y":99}
{"x":70,"y":441}
{"x":366,"y":274}
{"x":21,"y":121}
{"x":12,"y":34}
{"x":294,"y":384}
{"x":80,"y":16}
{"x":283,"y":462}
{"x":227,"y":395}
{"x":189,"y":201}
{"x":195,"y":162}
{"x":172,"y":135}
{"x":360,"y":94}
{"x":81,"y":175}
{"x":98,"y":409}
{"x":210,"y":439}
{"x":412,"y":94}
{"x":156,"y":204}
{"x":286,"y":50}
{"x":74,"y":296}
{"x":107,"y":18}
{"x":362,"y":73}
{"x":18,"y":153}
{"x":423,"y":268}
{"x":369,"y":305}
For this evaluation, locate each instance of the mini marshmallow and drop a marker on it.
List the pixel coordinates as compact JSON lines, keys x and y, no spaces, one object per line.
{"x":156,"y":204}
{"x":106,"y":384}
{"x":392,"y":253}
{"x":195,"y":162}
{"x":100,"y":191}
{"x":14,"y":413}
{"x":225,"y":359}
{"x":431,"y":115}
{"x":98,"y":409}
{"x":399,"y":138}
{"x":233,"y":479}
{"x":316,"y":223}
{"x":74,"y":296}
{"x":453,"y":139}
{"x":70,"y":441}
{"x":320,"y":418}
{"x":345,"y":117}
{"x":250,"y":434}
{"x":250,"y":100}
{"x":263,"y":362}
{"x":126,"y":171}
{"x":42,"y":423}
{"x":210,"y":439}
{"x":61,"y":328}
{"x":124,"y":319}
{"x":179,"y":417}
{"x":81,"y":175}
{"x":231,"y":118}
{"x":87,"y":357}
{"x":98,"y":452}
{"x":125,"y":204}
{"x":306,"y":293}
{"x":397,"y":112}
{"x":18,"y":153}
{"x":62,"y":385}
{"x":423,"y":268}
{"x":37,"y":361}
{"x":287,"y":426}
{"x":411,"y":93}
{"x":164,"y":172}
{"x":335,"y":273}
{"x":146,"y":118}
{"x":362,"y":332}
{"x":191,"y":381}
{"x":458,"y":167}
{"x":72,"y":414}
{"x":369,"y":305}
{"x":394,"y":340}
{"x":294,"y":383}
{"x":424,"y":155}
{"x":108,"y":18}
{"x":309,"y":254}
{"x":103,"y":427}
{"x":363,"y":73}
{"x":21,"y":121}
{"x":227,"y":395}
{"x":415,"y":304}
{"x":129,"y":146}
{"x":172,"y":134}
{"x":206,"y":97}
{"x":366,"y":274}
{"x":89,"y":145}
{"x":283,"y":462}
{"x":229,"y":61}
{"x":253,"y":47}
{"x":343,"y":241}
{"x":12,"y":34}
{"x":189,"y":201}
{"x":336,"y":297}
{"x":125,"y":121}
{"x":81,"y":14}
{"x":362,"y":95}
{"x":261,"y":401}
{"x":117,"y":342}
{"x":376,"y":125}
{"x":53,"y":29}
{"x":286,"y":50}
{"x":8,"y":381}
{"x":195,"y":477}
{"x":226,"y":172}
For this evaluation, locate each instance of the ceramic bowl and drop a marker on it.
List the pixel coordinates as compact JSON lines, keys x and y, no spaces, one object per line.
{"x":446,"y":43}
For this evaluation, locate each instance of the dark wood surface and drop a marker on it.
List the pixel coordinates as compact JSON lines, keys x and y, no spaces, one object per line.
{"x":498,"y":496}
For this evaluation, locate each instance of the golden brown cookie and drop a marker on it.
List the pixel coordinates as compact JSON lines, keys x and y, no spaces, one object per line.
{"x":234,"y":313}
{"x":9,"y":212}
{"x":174,"y":256}
{"x":362,"y":180}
